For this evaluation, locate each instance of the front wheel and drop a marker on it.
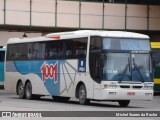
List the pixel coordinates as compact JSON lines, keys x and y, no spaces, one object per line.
{"x":20,"y":90}
{"x":83,"y":95}
{"x":124,"y":103}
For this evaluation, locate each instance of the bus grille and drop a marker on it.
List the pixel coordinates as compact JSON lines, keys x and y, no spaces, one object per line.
{"x":137,"y":87}
{"x":128,"y":86}
{"x":124,"y":86}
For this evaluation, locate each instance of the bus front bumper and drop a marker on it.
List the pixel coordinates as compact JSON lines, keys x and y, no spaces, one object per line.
{"x":111,"y":94}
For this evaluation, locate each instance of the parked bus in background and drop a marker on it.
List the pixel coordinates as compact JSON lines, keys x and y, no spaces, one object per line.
{"x":2,"y":56}
{"x":88,"y":65}
{"x":156,"y":65}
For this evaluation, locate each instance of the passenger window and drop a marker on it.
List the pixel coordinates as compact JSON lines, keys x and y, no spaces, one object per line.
{"x":19,"y":52}
{"x":54,"y":50}
{"x":39,"y":51}
{"x":76,"y":48}
{"x":60,"y":49}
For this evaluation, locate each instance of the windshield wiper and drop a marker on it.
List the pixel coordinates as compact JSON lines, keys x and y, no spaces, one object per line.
{"x":137,"y":69}
{"x":125,"y":70}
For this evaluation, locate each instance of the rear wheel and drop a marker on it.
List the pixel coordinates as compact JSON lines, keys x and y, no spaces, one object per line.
{"x":83,"y":95}
{"x":124,"y":103}
{"x":28,"y":91}
{"x":20,"y":90}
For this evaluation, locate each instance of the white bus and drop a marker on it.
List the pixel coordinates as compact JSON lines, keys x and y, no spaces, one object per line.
{"x":88,"y":65}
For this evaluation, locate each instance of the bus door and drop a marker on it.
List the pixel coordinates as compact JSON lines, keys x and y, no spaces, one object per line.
{"x":97,"y":75}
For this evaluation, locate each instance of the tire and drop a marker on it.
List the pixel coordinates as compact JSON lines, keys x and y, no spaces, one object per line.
{"x":28,"y":91}
{"x":60,"y":99}
{"x":124,"y":103}
{"x":21,"y":90}
{"x":82,"y":94}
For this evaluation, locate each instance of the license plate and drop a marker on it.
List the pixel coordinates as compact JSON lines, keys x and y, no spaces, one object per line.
{"x":131,"y":93}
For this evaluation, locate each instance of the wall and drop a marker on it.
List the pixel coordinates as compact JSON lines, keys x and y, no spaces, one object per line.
{"x":4,"y":36}
{"x":73,"y":14}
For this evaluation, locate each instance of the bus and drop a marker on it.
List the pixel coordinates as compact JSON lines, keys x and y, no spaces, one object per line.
{"x":156,"y":65}
{"x":2,"y":56}
{"x":85,"y":64}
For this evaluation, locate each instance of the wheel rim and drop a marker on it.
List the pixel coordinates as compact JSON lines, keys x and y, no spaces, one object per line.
{"x":82,"y":95}
{"x":28,"y":91}
{"x":20,"y":89}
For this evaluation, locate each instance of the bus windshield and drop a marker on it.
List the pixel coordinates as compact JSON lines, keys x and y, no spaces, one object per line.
{"x":124,"y":59}
{"x":126,"y":67}
{"x":116,"y":66}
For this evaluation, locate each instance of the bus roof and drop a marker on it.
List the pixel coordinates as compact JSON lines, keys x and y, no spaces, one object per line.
{"x":78,"y":34}
{"x":155,"y":44}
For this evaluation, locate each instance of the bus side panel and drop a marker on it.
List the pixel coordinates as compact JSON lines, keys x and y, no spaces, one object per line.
{"x":50,"y":77}
{"x":15,"y":72}
{"x":1,"y":73}
{"x":88,"y":82}
{"x":11,"y":77}
{"x":68,"y":73}
{"x":70,"y":77}
{"x":10,"y":82}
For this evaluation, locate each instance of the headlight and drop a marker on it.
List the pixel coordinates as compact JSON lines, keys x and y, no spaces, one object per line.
{"x":110,"y":86}
{"x":148,"y":87}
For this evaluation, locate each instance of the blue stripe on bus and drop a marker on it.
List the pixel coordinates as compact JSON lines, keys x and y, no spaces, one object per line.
{"x":41,"y":68}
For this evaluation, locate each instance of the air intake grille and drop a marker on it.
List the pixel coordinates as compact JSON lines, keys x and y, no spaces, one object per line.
{"x":124,"y":86}
{"x":129,"y":86}
{"x":137,"y":87}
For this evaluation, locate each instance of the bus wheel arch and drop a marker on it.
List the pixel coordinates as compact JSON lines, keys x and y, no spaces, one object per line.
{"x":77,"y":88}
{"x":29,"y":91}
{"x":20,"y":89}
{"x":81,"y":93}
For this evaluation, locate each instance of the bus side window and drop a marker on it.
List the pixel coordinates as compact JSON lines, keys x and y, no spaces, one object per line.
{"x":54,"y":50}
{"x":2,"y":54}
{"x":29,"y":55}
{"x":35,"y":51}
{"x":47,"y":53}
{"x":53,"y":53}
{"x":10,"y":54}
{"x":80,"y":53}
{"x":20,"y":52}
{"x":69,"y":49}
{"x":38,"y":51}
{"x":81,"y":47}
{"x":68,"y":53}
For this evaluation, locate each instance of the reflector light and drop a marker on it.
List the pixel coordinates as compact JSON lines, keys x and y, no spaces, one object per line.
{"x":148,"y":94}
{"x":54,"y":37}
